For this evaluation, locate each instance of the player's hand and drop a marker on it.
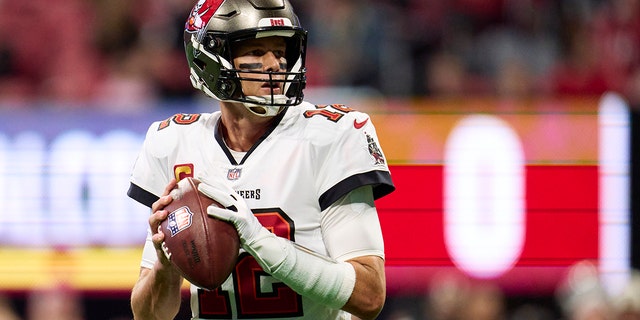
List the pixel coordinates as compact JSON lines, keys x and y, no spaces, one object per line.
{"x":235,"y":210}
{"x":157,"y":216}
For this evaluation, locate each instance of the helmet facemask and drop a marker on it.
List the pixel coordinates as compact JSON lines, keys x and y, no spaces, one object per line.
{"x":288,"y":79}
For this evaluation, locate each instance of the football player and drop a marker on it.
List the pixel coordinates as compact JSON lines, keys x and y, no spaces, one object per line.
{"x":297,"y":180}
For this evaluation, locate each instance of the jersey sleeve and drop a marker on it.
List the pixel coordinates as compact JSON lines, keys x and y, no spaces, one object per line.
{"x":353,"y":159}
{"x":149,"y":175}
{"x":351,"y":227}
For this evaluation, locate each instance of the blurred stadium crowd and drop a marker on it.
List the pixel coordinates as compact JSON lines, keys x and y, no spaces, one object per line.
{"x":579,"y":297}
{"x":128,"y":54}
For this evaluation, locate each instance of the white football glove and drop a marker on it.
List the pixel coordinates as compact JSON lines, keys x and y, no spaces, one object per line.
{"x":235,"y":210}
{"x":306,"y":272}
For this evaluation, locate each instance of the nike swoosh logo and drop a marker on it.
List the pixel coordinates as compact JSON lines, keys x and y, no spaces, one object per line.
{"x":359,"y":125}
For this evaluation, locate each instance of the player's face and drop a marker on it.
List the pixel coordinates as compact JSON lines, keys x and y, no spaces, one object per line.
{"x":263,"y":54}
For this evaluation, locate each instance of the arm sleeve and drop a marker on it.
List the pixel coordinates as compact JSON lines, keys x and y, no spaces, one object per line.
{"x":351,"y":227}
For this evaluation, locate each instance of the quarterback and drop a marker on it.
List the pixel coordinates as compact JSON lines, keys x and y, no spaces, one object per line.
{"x":297,"y":180}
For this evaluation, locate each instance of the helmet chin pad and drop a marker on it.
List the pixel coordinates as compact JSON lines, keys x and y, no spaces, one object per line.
{"x":265,"y":106}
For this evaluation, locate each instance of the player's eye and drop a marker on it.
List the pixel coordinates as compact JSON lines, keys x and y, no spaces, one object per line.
{"x":256,"y":53}
{"x":278,"y":53}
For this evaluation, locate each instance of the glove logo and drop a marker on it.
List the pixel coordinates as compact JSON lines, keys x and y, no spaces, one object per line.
{"x":179,"y":220}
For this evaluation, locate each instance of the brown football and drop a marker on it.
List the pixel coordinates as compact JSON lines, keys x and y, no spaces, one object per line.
{"x":203,"y":248}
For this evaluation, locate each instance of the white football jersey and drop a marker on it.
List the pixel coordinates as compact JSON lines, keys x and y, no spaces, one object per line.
{"x":311,"y":157}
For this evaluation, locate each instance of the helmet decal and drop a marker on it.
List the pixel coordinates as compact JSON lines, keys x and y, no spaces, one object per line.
{"x":201,"y":13}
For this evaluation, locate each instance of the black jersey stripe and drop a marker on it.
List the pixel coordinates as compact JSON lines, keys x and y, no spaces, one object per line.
{"x":380,"y":180}
{"x":143,"y":196}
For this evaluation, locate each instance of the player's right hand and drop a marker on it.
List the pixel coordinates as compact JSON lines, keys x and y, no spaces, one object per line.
{"x":158,"y":214}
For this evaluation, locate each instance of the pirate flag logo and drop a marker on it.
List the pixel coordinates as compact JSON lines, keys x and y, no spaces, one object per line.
{"x":374,"y":150}
{"x":201,"y":14}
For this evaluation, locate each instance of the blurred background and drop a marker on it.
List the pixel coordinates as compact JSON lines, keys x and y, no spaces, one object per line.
{"x":123,"y":55}
{"x":550,"y":88}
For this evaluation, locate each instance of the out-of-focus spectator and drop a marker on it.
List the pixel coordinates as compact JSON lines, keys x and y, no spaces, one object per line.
{"x":577,"y":71}
{"x":633,"y":90}
{"x":627,"y":303}
{"x":514,"y":80}
{"x":7,"y":311}
{"x":141,"y":43}
{"x":446,"y":297}
{"x":582,"y":296}
{"x":446,"y":76}
{"x":127,"y":86}
{"x":485,"y":301}
{"x":454,"y":297}
{"x":531,"y":311}
{"x":56,"y":303}
{"x":616,"y":31}
{"x":479,"y":13}
{"x":348,"y":43}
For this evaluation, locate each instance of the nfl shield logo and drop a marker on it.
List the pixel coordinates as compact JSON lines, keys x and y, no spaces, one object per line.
{"x":179,"y":220}
{"x":234,"y":174}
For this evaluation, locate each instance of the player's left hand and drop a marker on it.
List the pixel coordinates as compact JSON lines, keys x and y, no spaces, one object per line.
{"x":235,"y":209}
